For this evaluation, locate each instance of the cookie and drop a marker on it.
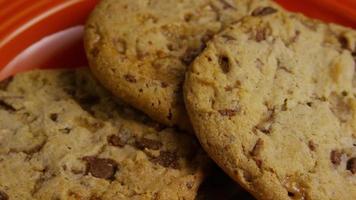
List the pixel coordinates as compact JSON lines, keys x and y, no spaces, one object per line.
{"x":272,"y":100}
{"x":140,"y":50}
{"x":62,"y":136}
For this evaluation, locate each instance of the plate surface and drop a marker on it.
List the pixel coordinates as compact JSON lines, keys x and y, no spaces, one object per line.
{"x":48,"y":33}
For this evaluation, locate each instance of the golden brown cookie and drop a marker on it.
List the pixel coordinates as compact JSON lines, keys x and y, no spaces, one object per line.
{"x":273,"y":101}
{"x":62,"y":136}
{"x":140,"y":49}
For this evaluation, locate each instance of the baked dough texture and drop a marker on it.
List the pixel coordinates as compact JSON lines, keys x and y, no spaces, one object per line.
{"x":63,"y":137}
{"x":272,"y":100}
{"x":140,"y":49}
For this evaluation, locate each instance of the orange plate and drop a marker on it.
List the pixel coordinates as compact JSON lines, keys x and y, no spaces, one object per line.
{"x":48,"y":33}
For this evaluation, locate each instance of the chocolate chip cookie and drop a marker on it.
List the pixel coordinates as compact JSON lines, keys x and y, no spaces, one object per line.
{"x":273,"y":101}
{"x":140,"y":49}
{"x":62,"y":136}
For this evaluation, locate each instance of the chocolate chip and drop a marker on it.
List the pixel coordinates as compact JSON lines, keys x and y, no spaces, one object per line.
{"x":120,"y":139}
{"x":228,"y":112}
{"x":312,"y":146}
{"x":335,"y":157}
{"x":144,"y":143}
{"x":91,"y":126}
{"x":167,"y":159}
{"x":291,"y":194}
{"x":3,"y":196}
{"x":6,"y":106}
{"x":188,"y":17}
{"x":130,"y":78}
{"x":189,"y":185}
{"x":263,"y":11}
{"x":343,"y":42}
{"x":258,"y":162}
{"x":207,"y":37}
{"x":224,"y":64}
{"x":117,"y":141}
{"x":5,"y":83}
{"x":53,"y":117}
{"x":35,"y":149}
{"x":344,"y":93}
{"x":101,"y":167}
{"x":351,"y":165}
{"x":164,"y":84}
{"x":261,"y":34}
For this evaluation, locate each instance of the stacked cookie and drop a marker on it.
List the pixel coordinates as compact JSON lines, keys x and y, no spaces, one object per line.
{"x":270,"y":95}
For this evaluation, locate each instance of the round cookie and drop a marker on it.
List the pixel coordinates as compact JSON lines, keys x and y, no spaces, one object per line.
{"x":63,"y":137}
{"x":140,"y":49}
{"x":272,"y":100}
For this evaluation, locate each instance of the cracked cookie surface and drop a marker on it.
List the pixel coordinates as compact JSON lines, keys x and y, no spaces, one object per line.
{"x":273,"y":101}
{"x":140,"y":49}
{"x":62,"y":136}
